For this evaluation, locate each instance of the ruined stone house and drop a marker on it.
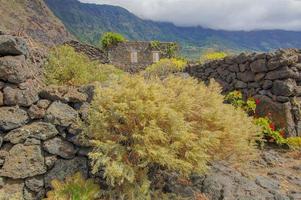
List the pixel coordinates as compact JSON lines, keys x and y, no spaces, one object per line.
{"x":130,"y":56}
{"x":135,"y":56}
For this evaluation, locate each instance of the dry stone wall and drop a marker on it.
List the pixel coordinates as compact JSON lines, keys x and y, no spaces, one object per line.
{"x":39,"y":136}
{"x":92,"y":52}
{"x":273,"y":78}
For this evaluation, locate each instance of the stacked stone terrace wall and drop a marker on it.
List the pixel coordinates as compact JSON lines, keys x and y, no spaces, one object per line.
{"x":273,"y":78}
{"x":39,"y":138}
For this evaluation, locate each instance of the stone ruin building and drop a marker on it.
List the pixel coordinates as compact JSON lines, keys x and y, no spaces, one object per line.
{"x":130,"y":56}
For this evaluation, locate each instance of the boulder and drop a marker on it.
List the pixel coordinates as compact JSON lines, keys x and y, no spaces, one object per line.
{"x":280,"y":113}
{"x":65,"y":168}
{"x":259,"y":66}
{"x":14,"y":69}
{"x":23,"y":162}
{"x":37,"y":130}
{"x":234,"y":68}
{"x":267,"y":84}
{"x":273,"y":64}
{"x":35,"y":184}
{"x":43,"y":103}
{"x":12,"y":46}
{"x":247,"y":76}
{"x":61,"y":114}
{"x":259,"y":76}
{"x":240,"y":85}
{"x":36,"y":112}
{"x":60,"y":147}
{"x":284,"y":88}
{"x":244,"y":67}
{"x":282,"y":73}
{"x":241,"y":58}
{"x":12,"y":117}
{"x":15,"y":96}
{"x":50,"y":161}
{"x":63,"y":94}
{"x":11,"y":189}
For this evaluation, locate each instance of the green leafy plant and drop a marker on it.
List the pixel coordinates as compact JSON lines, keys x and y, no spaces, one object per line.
{"x":111,"y":39}
{"x":176,"y":123}
{"x":269,"y":129}
{"x":235,"y":98}
{"x":67,"y":67}
{"x":165,"y":67}
{"x":74,"y":188}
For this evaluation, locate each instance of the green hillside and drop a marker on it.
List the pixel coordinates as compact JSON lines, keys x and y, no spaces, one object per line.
{"x":88,"y":21}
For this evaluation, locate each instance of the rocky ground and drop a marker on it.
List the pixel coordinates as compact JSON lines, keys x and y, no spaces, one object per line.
{"x":275,"y":175}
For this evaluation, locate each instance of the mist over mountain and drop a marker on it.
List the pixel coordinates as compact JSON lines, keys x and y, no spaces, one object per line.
{"x":89,"y":21}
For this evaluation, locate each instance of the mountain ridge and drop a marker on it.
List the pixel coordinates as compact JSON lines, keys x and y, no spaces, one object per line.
{"x":88,"y":21}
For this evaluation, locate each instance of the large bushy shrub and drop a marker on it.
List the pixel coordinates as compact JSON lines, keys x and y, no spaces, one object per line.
{"x":176,"y":123}
{"x":67,"y":67}
{"x":110,"y":39}
{"x":74,"y":188}
{"x":165,"y":67}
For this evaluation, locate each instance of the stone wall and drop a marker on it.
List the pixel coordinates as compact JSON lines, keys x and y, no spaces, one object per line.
{"x":273,"y":78}
{"x":120,"y":54}
{"x":39,"y":138}
{"x":92,"y":52}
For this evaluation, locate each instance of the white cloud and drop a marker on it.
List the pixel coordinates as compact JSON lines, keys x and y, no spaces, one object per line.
{"x":218,"y":14}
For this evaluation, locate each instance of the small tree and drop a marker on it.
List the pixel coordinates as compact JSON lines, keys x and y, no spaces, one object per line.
{"x":110,"y":39}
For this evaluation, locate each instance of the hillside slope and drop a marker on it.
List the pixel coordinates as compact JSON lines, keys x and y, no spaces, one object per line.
{"x":32,"y":18}
{"x":88,"y":21}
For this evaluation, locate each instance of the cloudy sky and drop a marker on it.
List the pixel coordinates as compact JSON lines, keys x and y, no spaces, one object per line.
{"x":218,"y":14}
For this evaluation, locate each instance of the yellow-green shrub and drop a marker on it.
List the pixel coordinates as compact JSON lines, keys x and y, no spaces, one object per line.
{"x":74,"y":188}
{"x":67,"y":67}
{"x":294,"y":142}
{"x":110,"y":39}
{"x":165,"y":67}
{"x":210,"y":56}
{"x":176,"y":123}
